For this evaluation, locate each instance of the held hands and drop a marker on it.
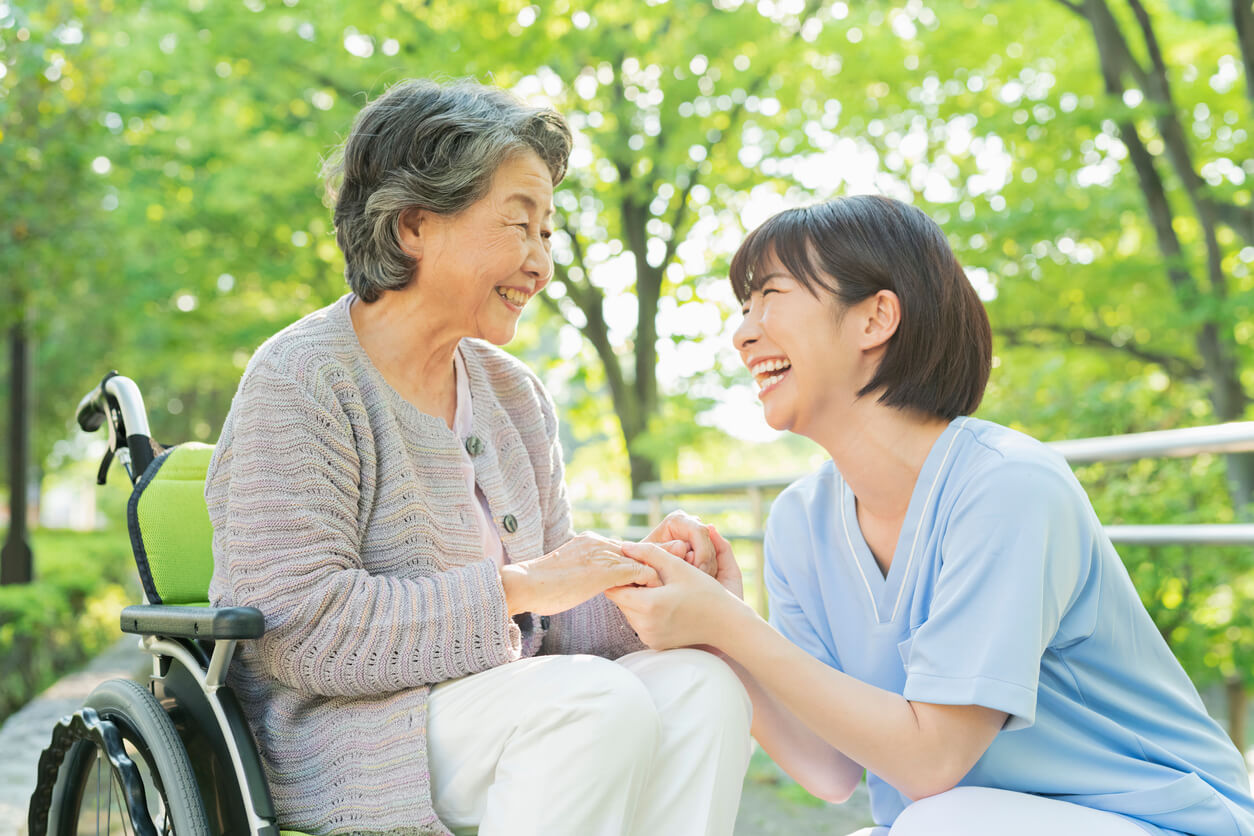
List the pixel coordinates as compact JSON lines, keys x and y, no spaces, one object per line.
{"x":580,"y":569}
{"x":698,"y":539}
{"x":688,"y":607}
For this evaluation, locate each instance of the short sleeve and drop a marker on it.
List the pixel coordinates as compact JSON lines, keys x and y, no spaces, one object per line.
{"x":1013,"y":553}
{"x":785,"y":557}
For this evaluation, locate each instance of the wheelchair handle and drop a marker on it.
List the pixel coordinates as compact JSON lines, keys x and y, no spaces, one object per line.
{"x":117,"y":399}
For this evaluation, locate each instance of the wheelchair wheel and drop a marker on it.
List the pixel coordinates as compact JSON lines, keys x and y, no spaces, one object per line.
{"x":97,"y":792}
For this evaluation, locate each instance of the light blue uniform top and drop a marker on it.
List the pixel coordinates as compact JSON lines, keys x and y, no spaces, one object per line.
{"x":1005,"y":592}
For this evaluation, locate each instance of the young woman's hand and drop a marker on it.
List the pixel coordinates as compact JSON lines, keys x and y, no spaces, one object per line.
{"x":688,"y":608}
{"x":580,"y":569}
{"x":727,"y":570}
{"x":701,"y":549}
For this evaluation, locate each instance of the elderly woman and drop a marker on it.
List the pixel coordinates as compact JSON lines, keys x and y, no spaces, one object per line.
{"x":388,"y":491}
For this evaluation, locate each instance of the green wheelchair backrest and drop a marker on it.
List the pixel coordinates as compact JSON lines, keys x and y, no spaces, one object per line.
{"x":169,"y":524}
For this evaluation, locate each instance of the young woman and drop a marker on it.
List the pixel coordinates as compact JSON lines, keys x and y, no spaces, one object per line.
{"x":946,"y":611}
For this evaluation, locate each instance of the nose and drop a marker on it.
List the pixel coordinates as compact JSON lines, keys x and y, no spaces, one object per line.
{"x":538,"y":264}
{"x":747,"y":333}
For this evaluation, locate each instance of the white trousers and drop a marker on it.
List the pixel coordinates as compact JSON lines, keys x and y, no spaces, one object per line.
{"x":655,"y":743}
{"x":981,"y":811}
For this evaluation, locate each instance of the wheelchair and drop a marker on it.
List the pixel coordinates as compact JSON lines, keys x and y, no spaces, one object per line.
{"x":175,"y":756}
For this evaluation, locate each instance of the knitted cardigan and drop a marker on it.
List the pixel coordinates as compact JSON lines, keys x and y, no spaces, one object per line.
{"x":340,"y":512}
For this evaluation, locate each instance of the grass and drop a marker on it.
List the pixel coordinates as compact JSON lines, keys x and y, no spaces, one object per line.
{"x":68,"y":614}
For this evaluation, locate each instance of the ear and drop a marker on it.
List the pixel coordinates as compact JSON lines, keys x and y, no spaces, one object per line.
{"x":880,"y":319}
{"x":409,"y":228}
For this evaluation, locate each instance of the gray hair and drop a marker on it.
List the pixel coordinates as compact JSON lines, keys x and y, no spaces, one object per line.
{"x":423,"y":145}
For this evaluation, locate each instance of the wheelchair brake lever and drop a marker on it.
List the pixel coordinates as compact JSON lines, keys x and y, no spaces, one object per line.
{"x":103,"y":473}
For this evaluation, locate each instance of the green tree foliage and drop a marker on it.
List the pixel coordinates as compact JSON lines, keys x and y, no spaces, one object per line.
{"x":1089,"y":159}
{"x":1090,"y":162}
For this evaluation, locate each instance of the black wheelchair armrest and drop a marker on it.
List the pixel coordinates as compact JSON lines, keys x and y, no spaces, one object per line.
{"x":194,"y":622}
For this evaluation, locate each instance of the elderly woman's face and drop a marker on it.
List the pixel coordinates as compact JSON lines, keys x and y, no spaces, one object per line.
{"x":482,"y":265}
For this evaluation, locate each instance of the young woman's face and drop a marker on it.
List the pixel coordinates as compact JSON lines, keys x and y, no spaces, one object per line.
{"x":801,"y":351}
{"x":485,"y":263}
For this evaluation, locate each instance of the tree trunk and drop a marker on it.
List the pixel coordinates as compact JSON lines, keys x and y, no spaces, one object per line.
{"x":643,"y":470}
{"x":1235,"y":690}
{"x":15,"y":559}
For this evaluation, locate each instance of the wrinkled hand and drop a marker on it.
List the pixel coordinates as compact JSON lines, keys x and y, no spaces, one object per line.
{"x":689,"y":607}
{"x":580,"y":569}
{"x":701,"y":551}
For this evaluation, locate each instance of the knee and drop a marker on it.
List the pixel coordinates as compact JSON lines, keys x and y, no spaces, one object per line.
{"x":937,"y":815}
{"x":697,"y":687}
{"x":607,"y":705}
{"x":715,"y":693}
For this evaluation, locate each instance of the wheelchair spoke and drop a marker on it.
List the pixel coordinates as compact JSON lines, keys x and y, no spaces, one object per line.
{"x":99,"y":760}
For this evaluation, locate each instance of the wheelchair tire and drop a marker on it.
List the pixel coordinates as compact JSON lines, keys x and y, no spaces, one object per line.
{"x":89,"y":792}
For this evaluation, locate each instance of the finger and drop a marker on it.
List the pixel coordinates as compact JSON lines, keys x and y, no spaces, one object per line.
{"x":719,"y":541}
{"x":725,"y":557}
{"x":697,"y":535}
{"x":710,"y":567}
{"x":630,"y":572}
{"x":626,"y":598}
{"x":679,"y":548}
{"x":650,"y":554}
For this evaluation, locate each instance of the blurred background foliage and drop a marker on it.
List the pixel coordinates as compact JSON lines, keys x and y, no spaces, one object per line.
{"x":1090,"y":161}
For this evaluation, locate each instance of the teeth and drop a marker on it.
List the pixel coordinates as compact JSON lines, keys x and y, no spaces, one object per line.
{"x":769,"y":366}
{"x":513,"y":296}
{"x":769,"y":382}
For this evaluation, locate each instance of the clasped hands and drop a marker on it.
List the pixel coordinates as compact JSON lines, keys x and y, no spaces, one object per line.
{"x":665,"y":585}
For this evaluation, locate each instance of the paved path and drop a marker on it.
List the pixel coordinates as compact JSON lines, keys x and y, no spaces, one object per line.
{"x":772,"y":804}
{"x":25,"y":734}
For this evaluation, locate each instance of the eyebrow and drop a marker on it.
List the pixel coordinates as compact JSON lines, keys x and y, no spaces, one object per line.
{"x":528,"y":201}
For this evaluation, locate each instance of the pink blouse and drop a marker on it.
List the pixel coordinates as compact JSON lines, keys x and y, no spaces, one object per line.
{"x":463,"y":421}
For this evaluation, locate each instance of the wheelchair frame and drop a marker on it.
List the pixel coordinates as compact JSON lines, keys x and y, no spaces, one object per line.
{"x":191,"y":649}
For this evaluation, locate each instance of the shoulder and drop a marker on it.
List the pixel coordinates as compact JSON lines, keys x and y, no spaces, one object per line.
{"x":802,"y":504}
{"x":989,"y":457}
{"x":1003,"y":480}
{"x":312,"y":358}
{"x":802,"y":494}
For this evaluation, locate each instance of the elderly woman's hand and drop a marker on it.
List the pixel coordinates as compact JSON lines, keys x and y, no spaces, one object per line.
{"x":701,"y":551}
{"x":580,"y":569}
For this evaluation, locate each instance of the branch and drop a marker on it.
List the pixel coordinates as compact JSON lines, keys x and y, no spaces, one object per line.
{"x":1227,"y":394}
{"x":1243,"y":22}
{"x":1239,"y":218}
{"x":1178,"y":150}
{"x":733,"y":118}
{"x":1178,"y":367}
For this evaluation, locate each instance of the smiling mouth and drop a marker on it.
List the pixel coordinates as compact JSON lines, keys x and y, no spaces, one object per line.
{"x":769,"y":373}
{"x":513,"y":296}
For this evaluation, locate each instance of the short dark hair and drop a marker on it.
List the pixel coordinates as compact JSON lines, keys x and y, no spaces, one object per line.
{"x":938,"y":361}
{"x":425,"y":145}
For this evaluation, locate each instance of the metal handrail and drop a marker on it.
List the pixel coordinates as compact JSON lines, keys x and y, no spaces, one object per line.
{"x":1235,"y":437}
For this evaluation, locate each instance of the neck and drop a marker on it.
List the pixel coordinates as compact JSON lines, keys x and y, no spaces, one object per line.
{"x":880,"y":451}
{"x":412,"y":345}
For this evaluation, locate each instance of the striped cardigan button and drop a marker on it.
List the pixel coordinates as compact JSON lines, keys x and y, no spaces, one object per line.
{"x":510,"y":522}
{"x":474,"y":445}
